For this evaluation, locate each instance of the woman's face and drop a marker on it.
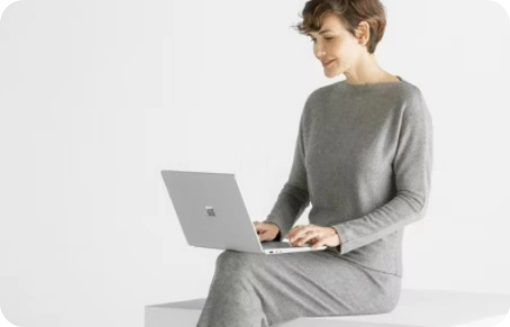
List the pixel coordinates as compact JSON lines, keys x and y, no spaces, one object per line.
{"x":335,"y":47}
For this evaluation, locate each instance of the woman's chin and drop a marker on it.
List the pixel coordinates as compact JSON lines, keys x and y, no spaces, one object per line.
{"x":331,"y":73}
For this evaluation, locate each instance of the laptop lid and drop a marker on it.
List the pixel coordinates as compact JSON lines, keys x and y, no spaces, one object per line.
{"x":211,"y":210}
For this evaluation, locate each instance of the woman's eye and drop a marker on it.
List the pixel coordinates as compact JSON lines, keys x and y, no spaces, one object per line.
{"x":326,"y":38}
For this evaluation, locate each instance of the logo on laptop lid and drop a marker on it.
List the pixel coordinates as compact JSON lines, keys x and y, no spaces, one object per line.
{"x":210,"y":211}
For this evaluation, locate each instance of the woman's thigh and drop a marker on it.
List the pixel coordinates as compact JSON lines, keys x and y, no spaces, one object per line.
{"x":310,"y":284}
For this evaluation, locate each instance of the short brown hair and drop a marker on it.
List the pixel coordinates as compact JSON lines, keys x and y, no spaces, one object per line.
{"x":350,"y":13}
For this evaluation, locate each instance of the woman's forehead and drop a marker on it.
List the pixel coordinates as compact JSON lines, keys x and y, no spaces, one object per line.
{"x":330,"y":23}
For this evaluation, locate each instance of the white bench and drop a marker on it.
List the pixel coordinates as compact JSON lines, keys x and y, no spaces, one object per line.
{"x":415,"y":308}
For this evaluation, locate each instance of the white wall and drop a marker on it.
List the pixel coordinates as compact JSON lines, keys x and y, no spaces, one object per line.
{"x":97,"y":97}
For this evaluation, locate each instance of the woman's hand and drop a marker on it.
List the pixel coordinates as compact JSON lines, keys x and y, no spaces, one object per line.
{"x":315,"y":235}
{"x":266,"y":232}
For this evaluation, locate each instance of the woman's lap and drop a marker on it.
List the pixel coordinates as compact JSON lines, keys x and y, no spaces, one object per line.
{"x":270,"y":289}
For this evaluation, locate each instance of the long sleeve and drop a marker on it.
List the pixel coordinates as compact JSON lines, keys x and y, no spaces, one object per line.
{"x":294,"y":197}
{"x":412,"y":165}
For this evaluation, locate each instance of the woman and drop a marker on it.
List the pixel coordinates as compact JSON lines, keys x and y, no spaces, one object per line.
{"x":363,"y":158}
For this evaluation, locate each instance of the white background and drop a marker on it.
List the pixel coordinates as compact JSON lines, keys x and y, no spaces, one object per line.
{"x":97,"y":97}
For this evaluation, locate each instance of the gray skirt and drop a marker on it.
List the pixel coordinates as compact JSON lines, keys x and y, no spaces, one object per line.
{"x":258,"y":290}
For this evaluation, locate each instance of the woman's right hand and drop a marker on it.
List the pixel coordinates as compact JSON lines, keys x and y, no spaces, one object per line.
{"x":266,"y":232}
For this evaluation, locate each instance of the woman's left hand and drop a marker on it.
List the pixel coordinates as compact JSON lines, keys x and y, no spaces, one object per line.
{"x":314,"y":235}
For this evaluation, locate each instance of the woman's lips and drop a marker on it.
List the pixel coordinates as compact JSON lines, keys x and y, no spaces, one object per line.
{"x":328,"y":63}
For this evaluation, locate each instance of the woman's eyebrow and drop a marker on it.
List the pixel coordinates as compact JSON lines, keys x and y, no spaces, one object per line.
{"x":321,"y":32}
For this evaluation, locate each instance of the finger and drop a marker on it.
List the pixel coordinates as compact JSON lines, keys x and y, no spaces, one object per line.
{"x":299,"y":233}
{"x":311,"y":238}
{"x":297,"y":241}
{"x":315,"y":239}
{"x":293,"y":232}
{"x":307,"y":237}
{"x":317,"y":244}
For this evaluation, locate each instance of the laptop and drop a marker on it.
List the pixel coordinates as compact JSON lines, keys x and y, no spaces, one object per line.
{"x":212,"y":214}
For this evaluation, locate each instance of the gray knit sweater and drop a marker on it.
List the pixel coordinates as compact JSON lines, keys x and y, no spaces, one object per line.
{"x":363,"y":159}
